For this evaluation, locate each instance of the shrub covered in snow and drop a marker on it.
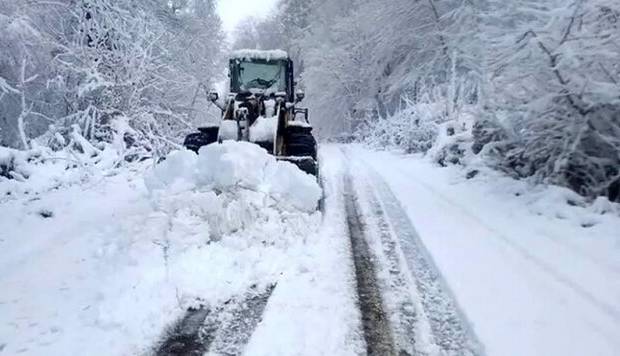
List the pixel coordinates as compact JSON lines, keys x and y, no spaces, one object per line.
{"x":578,"y":150}
{"x":544,"y":75}
{"x":70,"y":159}
{"x":413,"y":129}
{"x":562,"y":146}
{"x":7,"y":164}
{"x":88,"y":63}
{"x":451,"y":146}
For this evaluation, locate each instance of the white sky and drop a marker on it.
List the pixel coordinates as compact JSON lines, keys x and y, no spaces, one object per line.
{"x":234,"y":11}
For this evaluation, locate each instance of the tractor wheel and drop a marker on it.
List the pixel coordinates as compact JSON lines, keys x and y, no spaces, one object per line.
{"x":300,"y":142}
{"x":206,"y":136}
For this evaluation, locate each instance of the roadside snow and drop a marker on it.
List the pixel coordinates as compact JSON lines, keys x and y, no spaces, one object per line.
{"x":101,"y":268}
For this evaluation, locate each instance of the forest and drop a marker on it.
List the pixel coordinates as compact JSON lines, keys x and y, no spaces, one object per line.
{"x":528,"y":87}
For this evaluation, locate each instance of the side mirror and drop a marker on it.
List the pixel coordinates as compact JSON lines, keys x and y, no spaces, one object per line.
{"x":300,"y":95}
{"x":212,"y":95}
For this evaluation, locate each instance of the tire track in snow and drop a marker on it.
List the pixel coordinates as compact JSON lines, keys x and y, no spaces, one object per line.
{"x":223,"y":330}
{"x":406,"y":326}
{"x":612,"y":311}
{"x":375,"y":324}
{"x":451,"y":331}
{"x":239,"y":323}
{"x":186,"y":338}
{"x":433,"y":316}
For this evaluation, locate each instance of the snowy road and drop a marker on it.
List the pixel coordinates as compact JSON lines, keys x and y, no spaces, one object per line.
{"x":375,"y":323}
{"x":529,"y":283}
{"x":407,"y":259}
{"x":397,"y":282}
{"x":406,"y":309}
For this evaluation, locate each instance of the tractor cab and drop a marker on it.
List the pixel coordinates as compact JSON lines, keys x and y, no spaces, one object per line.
{"x":264,"y":75}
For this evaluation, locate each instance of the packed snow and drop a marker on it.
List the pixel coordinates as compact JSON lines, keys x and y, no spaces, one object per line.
{"x":229,"y":130}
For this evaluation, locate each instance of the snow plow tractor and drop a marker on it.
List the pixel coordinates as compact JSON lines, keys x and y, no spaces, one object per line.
{"x":262,"y":108}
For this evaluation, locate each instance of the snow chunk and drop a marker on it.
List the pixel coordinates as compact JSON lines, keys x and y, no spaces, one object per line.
{"x":228,"y":130}
{"x":237,"y":166}
{"x":264,"y":129}
{"x":272,"y":55}
{"x":232,"y":164}
{"x":177,"y":170}
{"x":270,"y":107}
{"x":602,"y":206}
{"x":290,"y":186}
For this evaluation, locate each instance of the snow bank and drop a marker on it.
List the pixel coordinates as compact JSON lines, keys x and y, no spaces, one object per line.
{"x":237,"y":165}
{"x":177,"y":170}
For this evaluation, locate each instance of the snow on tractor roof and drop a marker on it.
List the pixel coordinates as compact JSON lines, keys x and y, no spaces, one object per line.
{"x":271,"y":55}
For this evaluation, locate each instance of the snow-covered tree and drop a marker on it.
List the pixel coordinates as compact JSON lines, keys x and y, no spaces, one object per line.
{"x":540,"y":77}
{"x":555,"y":70}
{"x":99,"y":60}
{"x":25,"y":55}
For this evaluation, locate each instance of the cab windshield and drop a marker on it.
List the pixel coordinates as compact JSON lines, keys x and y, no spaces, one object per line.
{"x":260,"y":76}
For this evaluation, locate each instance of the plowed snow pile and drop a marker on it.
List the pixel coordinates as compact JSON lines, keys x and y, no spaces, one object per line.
{"x":121,"y":257}
{"x":239,"y":166}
